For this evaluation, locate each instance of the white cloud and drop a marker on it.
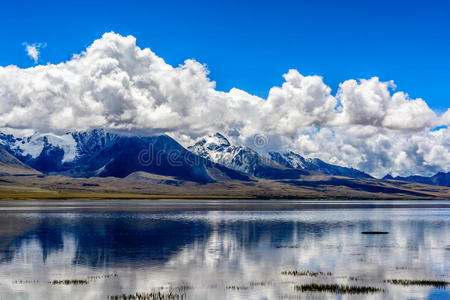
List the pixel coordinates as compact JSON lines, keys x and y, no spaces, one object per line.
{"x":33,"y":50}
{"x":370,"y":102}
{"x":301,"y":101}
{"x":116,"y":85}
{"x":445,"y":118}
{"x":378,"y":151}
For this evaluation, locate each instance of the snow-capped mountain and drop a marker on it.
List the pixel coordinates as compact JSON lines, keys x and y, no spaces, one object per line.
{"x":53,"y":153}
{"x":293,"y":160}
{"x":100,"y":153}
{"x":33,"y":146}
{"x":441,"y":179}
{"x":92,"y":141}
{"x":218,"y":149}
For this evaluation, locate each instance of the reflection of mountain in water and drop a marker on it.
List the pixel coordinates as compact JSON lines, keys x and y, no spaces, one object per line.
{"x":124,"y":238}
{"x":116,"y":239}
{"x":149,"y":250}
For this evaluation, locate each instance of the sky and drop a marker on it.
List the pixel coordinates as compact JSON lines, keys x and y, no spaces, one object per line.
{"x":250,"y":44}
{"x":355,"y":83}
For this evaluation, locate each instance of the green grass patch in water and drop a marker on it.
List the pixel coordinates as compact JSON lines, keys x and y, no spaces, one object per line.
{"x":407,"y":282}
{"x":149,"y":296}
{"x":69,"y":282}
{"x":336,"y":289}
{"x":305,"y":273}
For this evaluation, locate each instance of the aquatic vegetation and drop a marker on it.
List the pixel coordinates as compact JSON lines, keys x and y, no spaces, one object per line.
{"x":374,"y":232}
{"x":306,"y":273}
{"x":260,"y":283}
{"x":69,"y":282}
{"x":291,"y":297}
{"x":337,"y":289}
{"x":26,"y":281}
{"x":182,"y":288}
{"x":104,"y":276}
{"x":149,"y":296}
{"x":407,"y":282}
{"x":287,"y":246}
{"x":237,"y":288}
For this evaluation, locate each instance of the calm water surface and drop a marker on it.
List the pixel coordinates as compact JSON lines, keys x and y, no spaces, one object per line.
{"x":221,"y":249}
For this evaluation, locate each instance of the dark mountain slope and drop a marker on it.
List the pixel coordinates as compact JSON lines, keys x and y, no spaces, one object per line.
{"x":441,"y":179}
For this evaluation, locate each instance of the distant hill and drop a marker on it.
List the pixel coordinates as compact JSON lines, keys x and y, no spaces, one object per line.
{"x":294,"y":160}
{"x":441,"y":179}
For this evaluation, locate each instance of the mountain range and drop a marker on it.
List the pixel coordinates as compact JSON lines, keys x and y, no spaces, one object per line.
{"x":218,"y":149}
{"x":98,"y":153}
{"x":163,"y":162}
{"x":294,"y":160}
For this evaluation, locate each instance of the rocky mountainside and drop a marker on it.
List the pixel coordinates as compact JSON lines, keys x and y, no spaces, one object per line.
{"x":218,"y":149}
{"x":98,"y":153}
{"x":294,"y":160}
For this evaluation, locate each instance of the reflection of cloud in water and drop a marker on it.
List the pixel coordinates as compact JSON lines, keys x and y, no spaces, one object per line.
{"x":212,"y":250}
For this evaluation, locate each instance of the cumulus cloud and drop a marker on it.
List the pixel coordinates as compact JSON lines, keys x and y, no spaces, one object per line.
{"x":378,"y":151}
{"x":301,"y":101}
{"x":445,"y":118}
{"x":33,"y":50}
{"x":370,"y":102}
{"x":116,"y":85}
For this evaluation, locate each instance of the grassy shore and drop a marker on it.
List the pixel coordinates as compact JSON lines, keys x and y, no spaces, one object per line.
{"x":63,"y":188}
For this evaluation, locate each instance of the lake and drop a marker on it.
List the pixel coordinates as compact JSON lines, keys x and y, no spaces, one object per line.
{"x":183,"y":249}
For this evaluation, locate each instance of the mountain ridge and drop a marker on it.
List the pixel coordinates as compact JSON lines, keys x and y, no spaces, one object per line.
{"x":439,"y":179}
{"x":293,"y":160}
{"x":218,"y":149}
{"x":98,"y":153}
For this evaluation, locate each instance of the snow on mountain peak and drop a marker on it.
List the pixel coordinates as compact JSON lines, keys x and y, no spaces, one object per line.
{"x":293,"y":160}
{"x":33,"y":145}
{"x":217,"y":140}
{"x":73,"y":144}
{"x":218,"y":149}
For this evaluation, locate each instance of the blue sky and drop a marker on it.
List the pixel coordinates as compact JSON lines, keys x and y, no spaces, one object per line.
{"x":250,"y":44}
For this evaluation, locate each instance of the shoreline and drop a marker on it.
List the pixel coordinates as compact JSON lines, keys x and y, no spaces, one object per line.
{"x":15,"y":206}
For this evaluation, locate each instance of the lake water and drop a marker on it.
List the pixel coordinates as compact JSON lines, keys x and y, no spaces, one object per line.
{"x":223,"y":249}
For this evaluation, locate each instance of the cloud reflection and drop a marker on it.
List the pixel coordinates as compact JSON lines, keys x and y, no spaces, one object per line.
{"x":210,"y":251}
